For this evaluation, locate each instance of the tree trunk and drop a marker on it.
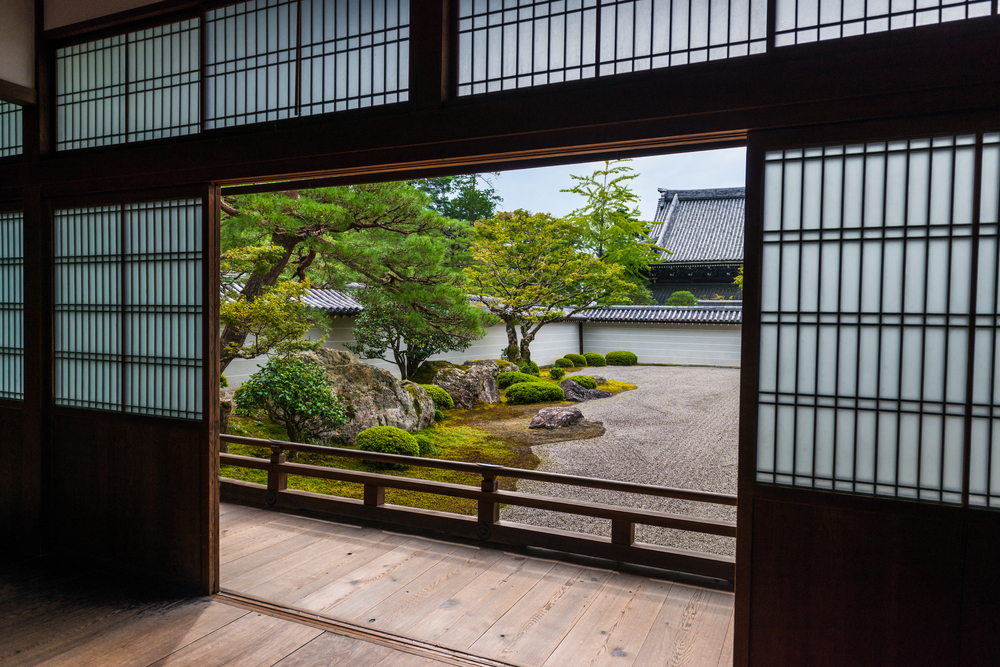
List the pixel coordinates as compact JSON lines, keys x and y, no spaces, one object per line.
{"x":513,"y":351}
{"x":255,"y":287}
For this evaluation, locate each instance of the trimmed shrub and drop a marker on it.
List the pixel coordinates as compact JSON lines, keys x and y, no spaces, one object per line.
{"x":427,"y":448}
{"x":681,"y":298}
{"x":438,"y":415}
{"x":529,"y":367}
{"x":442,"y":399}
{"x":621,"y":358}
{"x":565,"y":363}
{"x":387,"y":440}
{"x":584,"y":381}
{"x":557,"y":372}
{"x":534,"y":392}
{"x":595,"y":359}
{"x":505,"y":380}
{"x":223,"y":382}
{"x":578,"y":360}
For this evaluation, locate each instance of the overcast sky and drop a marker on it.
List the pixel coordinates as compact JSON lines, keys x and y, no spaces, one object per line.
{"x":538,"y":189}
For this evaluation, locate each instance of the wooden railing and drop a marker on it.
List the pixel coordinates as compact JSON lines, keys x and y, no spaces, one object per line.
{"x":487,"y":526}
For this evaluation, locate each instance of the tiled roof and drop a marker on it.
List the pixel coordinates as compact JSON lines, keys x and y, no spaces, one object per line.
{"x":662,"y":291}
{"x":664,"y":314}
{"x":333,"y":301}
{"x":700,"y":225}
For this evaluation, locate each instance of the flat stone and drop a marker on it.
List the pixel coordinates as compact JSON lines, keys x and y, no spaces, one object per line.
{"x":579,"y":394}
{"x":556,"y":417}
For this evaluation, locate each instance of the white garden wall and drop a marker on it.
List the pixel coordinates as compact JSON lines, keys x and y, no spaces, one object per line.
{"x":682,"y":344}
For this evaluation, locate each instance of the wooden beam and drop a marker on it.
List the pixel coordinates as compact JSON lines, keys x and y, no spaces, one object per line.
{"x":17,"y":94}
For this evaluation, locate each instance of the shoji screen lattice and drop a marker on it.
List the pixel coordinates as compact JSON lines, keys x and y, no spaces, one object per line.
{"x":11,"y":306}
{"x":868,"y":300}
{"x":128,"y":308}
{"x":505,"y":44}
{"x":11,"y":129}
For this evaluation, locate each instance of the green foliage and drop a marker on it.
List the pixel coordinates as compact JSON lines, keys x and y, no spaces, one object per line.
{"x":528,"y":272}
{"x":595,"y":359}
{"x":534,"y":392}
{"x":529,"y":367}
{"x":382,"y":331}
{"x":584,"y":381}
{"x":738,"y":280}
{"x":427,"y":371}
{"x":578,"y":360}
{"x":387,"y":440}
{"x":468,"y":197}
{"x":438,"y":415}
{"x":557,"y":372}
{"x":505,"y":380}
{"x":682,"y":298}
{"x":295,"y":393}
{"x":223,"y":382}
{"x":427,"y":446}
{"x":608,"y":223}
{"x":442,"y":399}
{"x":565,"y":363}
{"x":621,"y":358}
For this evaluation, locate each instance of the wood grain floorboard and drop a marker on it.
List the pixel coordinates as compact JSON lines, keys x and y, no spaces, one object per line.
{"x":690,"y":629}
{"x":726,"y":658}
{"x":330,"y":650}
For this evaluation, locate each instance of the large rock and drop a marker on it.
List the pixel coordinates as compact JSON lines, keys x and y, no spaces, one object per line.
{"x":496,"y":366}
{"x":373,"y":397}
{"x":579,"y":393}
{"x":556,"y":417}
{"x":468,"y":386}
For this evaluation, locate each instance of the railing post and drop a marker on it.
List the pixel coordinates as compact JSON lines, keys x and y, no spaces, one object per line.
{"x":622,"y":532}
{"x":276,"y":481}
{"x":489,"y":511}
{"x":374,"y":495}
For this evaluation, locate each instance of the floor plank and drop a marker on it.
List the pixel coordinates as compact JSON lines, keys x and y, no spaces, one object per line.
{"x":537,"y":623}
{"x":689,"y":630}
{"x":252,"y":640}
{"x":330,"y":650}
{"x":726,"y":659}
{"x":615,"y":626}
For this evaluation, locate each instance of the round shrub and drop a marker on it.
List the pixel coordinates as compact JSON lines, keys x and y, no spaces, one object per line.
{"x":578,"y":360}
{"x":529,"y":367}
{"x":557,"y":372}
{"x":534,"y":392}
{"x":681,"y":298}
{"x":438,"y":415}
{"x":442,"y":399}
{"x":565,"y":363}
{"x":505,"y":380}
{"x":621,"y":358}
{"x":387,"y":440}
{"x":584,"y":381}
{"x":427,"y":448}
{"x":595,"y":359}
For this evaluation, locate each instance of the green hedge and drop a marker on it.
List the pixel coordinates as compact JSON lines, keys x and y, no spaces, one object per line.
{"x":534,"y":392}
{"x":584,"y":381}
{"x":427,"y":448}
{"x":578,"y":359}
{"x":557,"y":372}
{"x":621,"y":358}
{"x":529,"y":368}
{"x":565,"y":363}
{"x":595,"y":359}
{"x":387,"y":440}
{"x":505,"y":380}
{"x":442,"y":399}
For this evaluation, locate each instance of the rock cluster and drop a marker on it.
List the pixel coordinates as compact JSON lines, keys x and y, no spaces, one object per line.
{"x":556,"y":417}
{"x":467,"y":386}
{"x":578,"y":393}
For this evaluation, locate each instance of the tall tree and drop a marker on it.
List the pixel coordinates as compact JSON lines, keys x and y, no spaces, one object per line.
{"x":609,"y":222}
{"x":528,"y":272}
{"x":468,"y":197}
{"x":382,"y":234}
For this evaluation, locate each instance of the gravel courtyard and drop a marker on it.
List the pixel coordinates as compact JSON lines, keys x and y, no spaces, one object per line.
{"x":679,"y":429}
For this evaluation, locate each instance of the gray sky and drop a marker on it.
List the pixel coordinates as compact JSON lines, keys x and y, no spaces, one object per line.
{"x":538,"y":189}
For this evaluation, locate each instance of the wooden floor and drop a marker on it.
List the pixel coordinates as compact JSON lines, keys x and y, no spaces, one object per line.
{"x":481,"y":602}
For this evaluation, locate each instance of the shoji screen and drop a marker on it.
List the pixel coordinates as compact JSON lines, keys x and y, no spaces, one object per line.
{"x":11,"y":305}
{"x":505,"y":44}
{"x":128,"y":308}
{"x":870,"y":296}
{"x":11,"y":129}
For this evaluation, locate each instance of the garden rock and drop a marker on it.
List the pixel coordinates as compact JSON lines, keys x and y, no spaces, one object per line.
{"x":575,"y":392}
{"x":599,"y":380}
{"x":477,"y":384}
{"x":491,"y":364}
{"x":374,"y":397}
{"x":556,"y":417}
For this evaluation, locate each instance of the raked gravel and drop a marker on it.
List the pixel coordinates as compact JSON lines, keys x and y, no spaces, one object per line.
{"x":678,"y":428}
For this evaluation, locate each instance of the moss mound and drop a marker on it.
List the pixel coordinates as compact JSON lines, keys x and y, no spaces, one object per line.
{"x":388,"y":440}
{"x":578,"y":360}
{"x":534,"y":392}
{"x":442,"y":399}
{"x":621,"y":358}
{"x":505,"y":380}
{"x":565,"y":363}
{"x":584,"y":381}
{"x":595,"y":359}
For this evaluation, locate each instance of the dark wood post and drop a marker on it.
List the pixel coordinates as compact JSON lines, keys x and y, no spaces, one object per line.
{"x":622,"y":532}
{"x":276,"y":481}
{"x":489,"y":511}
{"x":374,"y":495}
